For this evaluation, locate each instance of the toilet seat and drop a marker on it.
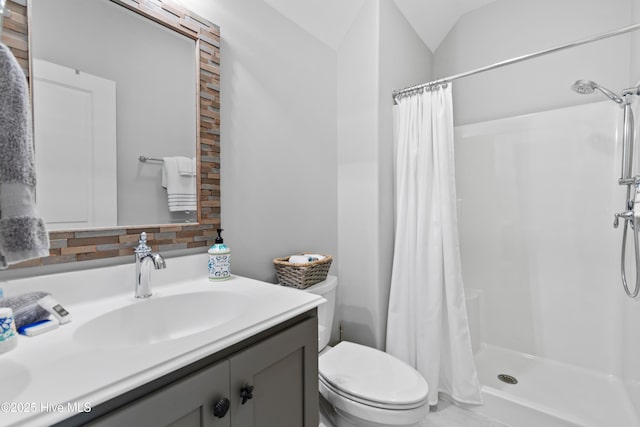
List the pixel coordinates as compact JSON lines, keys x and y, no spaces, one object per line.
{"x":359,"y":414}
{"x":378,"y":405}
{"x":372,"y":378}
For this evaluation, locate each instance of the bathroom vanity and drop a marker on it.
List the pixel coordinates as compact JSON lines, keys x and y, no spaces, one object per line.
{"x":267,"y":383}
{"x":196,"y":353}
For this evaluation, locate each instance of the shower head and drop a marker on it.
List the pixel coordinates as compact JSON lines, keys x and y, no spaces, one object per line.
{"x":585,"y":87}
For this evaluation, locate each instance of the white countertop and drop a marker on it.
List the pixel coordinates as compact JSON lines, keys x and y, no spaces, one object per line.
{"x":45,"y":373}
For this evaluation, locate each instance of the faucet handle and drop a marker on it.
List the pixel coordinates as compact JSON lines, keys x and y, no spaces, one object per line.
{"x":626,"y":216}
{"x":142,"y":247}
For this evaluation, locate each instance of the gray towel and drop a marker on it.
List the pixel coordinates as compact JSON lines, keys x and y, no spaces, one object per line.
{"x":23,"y":234}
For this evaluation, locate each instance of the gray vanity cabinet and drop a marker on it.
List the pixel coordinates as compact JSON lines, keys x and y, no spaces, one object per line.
{"x":187,"y":403}
{"x":276,"y":373}
{"x":270,"y":382}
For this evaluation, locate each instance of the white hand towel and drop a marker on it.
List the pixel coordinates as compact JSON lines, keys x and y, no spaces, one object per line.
{"x":186,"y":166}
{"x":181,"y":189}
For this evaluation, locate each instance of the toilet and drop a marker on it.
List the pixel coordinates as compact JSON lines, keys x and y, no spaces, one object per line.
{"x":362,"y":386}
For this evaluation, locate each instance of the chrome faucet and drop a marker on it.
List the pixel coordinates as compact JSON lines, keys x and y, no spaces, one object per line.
{"x":144,"y":259}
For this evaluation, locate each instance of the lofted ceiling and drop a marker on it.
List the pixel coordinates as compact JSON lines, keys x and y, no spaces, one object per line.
{"x":330,"y":20}
{"x":432,"y":19}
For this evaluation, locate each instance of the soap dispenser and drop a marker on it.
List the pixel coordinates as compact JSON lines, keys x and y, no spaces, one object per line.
{"x":219,"y":259}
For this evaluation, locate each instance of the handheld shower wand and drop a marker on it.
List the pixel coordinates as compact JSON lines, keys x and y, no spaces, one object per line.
{"x":626,"y":175}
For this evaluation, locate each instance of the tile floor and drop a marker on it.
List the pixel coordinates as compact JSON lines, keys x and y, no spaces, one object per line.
{"x":447,"y":415}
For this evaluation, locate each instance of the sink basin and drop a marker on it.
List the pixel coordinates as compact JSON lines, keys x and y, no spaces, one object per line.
{"x":160,"y":319}
{"x":18,"y":376}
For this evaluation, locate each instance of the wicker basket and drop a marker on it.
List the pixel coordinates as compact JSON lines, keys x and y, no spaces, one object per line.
{"x":302,"y":276}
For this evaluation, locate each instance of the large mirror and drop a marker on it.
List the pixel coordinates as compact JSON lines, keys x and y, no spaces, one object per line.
{"x":120,"y":87}
{"x":110,"y":86}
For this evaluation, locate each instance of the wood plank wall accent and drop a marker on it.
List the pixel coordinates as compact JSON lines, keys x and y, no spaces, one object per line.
{"x":81,"y":245}
{"x":15,"y":33}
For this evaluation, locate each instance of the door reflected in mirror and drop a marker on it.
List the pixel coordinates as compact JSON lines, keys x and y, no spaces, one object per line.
{"x":108,"y":87}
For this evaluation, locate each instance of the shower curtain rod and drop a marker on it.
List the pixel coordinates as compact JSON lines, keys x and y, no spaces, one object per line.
{"x":517,"y":59}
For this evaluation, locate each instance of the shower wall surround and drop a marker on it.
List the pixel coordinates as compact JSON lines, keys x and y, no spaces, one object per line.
{"x":530,"y":275}
{"x":537,"y":195}
{"x":543,"y":188}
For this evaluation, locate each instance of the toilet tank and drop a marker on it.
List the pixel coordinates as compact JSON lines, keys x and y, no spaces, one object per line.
{"x":327,"y":290}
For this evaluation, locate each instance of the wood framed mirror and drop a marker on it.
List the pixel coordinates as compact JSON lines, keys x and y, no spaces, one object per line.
{"x":105,"y":242}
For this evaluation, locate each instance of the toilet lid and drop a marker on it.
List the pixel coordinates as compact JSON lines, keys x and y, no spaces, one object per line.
{"x":372,"y":376}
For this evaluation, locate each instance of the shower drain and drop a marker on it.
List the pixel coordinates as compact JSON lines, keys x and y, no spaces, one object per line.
{"x":507,"y":379}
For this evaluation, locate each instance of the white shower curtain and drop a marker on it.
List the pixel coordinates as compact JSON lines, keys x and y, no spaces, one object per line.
{"x":427,"y":323}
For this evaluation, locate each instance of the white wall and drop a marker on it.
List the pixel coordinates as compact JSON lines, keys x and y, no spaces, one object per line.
{"x":155,"y":93}
{"x":278,"y":136}
{"x":380,"y":53}
{"x":510,"y":28}
{"x":358,"y":216}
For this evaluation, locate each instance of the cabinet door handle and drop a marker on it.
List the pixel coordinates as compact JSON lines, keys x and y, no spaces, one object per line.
{"x":221,"y":407}
{"x":246,"y":393}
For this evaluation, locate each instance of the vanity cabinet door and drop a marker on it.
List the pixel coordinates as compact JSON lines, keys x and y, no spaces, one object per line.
{"x":274,"y":383}
{"x":187,"y":403}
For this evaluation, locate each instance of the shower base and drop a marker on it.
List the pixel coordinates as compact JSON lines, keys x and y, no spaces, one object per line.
{"x":549,"y":393}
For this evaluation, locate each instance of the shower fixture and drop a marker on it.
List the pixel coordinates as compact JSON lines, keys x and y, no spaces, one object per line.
{"x":632,"y":205}
{"x":586,"y":87}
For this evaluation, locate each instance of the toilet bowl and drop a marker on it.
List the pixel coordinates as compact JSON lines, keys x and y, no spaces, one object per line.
{"x":364,"y":386}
